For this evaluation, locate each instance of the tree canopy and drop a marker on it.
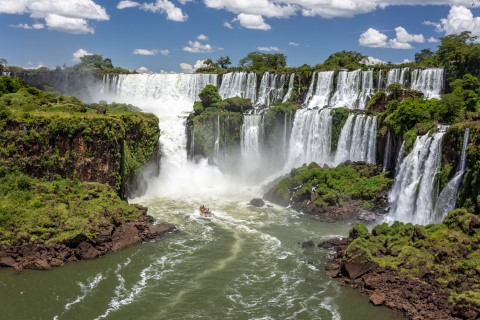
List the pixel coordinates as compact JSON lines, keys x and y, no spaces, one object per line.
{"x":259,"y":61}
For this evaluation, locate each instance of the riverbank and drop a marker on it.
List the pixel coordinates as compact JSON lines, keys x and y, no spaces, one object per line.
{"x":424,"y":272}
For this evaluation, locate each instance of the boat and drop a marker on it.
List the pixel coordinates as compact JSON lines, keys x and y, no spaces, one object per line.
{"x":205,"y":213}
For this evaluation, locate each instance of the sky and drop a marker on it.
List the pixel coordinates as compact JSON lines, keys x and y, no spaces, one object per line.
{"x":178,"y":35}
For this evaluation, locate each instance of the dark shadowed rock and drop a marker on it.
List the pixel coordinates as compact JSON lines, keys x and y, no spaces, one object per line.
{"x":7,"y":262}
{"x":125,"y":236}
{"x":308,"y":244}
{"x":158,"y":230}
{"x":86,"y":251}
{"x":257,"y":202}
{"x":332,"y":269}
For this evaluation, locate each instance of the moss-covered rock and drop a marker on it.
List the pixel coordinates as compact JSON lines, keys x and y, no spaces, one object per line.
{"x":44,"y":134}
{"x":332,"y":193}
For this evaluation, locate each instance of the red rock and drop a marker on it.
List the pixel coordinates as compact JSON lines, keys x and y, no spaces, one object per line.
{"x":377,"y":298}
{"x":358,"y":268}
{"x":7,"y":262}
{"x":56,"y":262}
{"x":125,"y":236}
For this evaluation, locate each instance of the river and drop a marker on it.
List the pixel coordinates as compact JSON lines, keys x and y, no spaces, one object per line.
{"x":245,"y":263}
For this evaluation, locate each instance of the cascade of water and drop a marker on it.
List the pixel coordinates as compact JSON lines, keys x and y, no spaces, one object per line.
{"x":403,"y":75}
{"x":448,"y":197}
{"x":310,"y":89}
{"x":400,"y":156}
{"x":322,"y":90}
{"x":347,"y":91}
{"x":291,"y":83}
{"x":238,"y":84}
{"x":388,"y":151}
{"x":250,"y":139}
{"x":412,"y":197}
{"x":380,"y":79}
{"x":192,"y":144}
{"x":357,"y":141}
{"x":393,"y":76}
{"x":271,"y":89}
{"x":367,"y":89}
{"x":428,"y":81}
{"x":170,"y":97}
{"x":311,"y":138}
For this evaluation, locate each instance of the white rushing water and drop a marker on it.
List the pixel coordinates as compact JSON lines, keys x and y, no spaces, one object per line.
{"x":448,"y":196}
{"x":250,"y":140}
{"x":358,"y":140}
{"x":412,"y":197}
{"x":319,"y":96}
{"x":311,"y":138}
{"x":239,"y":84}
{"x":291,"y":84}
{"x":428,"y":81}
{"x":347,"y":90}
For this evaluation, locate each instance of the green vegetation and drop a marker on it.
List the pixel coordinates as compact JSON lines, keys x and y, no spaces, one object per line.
{"x":44,"y":134}
{"x":342,"y":60}
{"x":260,"y":62}
{"x":339,"y":117}
{"x":448,"y":251}
{"x":40,"y":211}
{"x":331,"y":186}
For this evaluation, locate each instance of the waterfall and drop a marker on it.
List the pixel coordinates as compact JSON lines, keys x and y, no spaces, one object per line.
{"x":400,"y":156}
{"x":250,"y":139}
{"x":447,"y":198}
{"x":388,"y":151}
{"x":170,"y":97}
{"x":310,"y":89}
{"x":357,"y":141}
{"x":347,"y":91}
{"x":271,"y":89}
{"x":321,"y":94}
{"x":397,"y":76}
{"x":428,"y":81}
{"x":291,"y":83}
{"x":380,"y":79}
{"x":367,"y":89}
{"x":239,"y":84}
{"x":412,"y":197}
{"x":311,"y":137}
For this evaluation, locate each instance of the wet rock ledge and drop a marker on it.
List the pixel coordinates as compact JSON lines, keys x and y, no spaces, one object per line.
{"x":111,"y":238}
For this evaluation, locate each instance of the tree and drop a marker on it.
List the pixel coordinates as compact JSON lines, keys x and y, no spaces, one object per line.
{"x":258,"y":61}
{"x":459,"y":54}
{"x":209,"y":95}
{"x":223,"y":62}
{"x":343,"y":60}
{"x":425,"y":57}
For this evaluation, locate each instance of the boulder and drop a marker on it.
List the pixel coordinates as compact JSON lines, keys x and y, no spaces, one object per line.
{"x":257,"y":202}
{"x":7,"y":262}
{"x":158,"y":230}
{"x":308,"y":244}
{"x":86,"y":251}
{"x":125,"y":236}
{"x":332,"y":269}
{"x":358,"y":267}
{"x":377,"y":298}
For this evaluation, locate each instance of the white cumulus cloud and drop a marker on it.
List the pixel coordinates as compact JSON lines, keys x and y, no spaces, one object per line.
{"x":164,"y":52}
{"x":65,"y":16}
{"x":173,"y":12}
{"x":197,"y":47}
{"x":459,"y":19}
{"x":252,"y":21}
{"x":143,"y":70}
{"x":268,"y":49}
{"x":80,"y":53}
{"x":432,"y":40}
{"x":375,"y":39}
{"x":227,"y":25}
{"x":145,"y":52}
{"x":293,"y":44}
{"x":371,"y":61}
{"x":202,"y":37}
{"x":186,"y":67}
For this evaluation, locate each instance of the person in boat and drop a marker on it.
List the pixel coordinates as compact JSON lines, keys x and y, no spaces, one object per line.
{"x":202,"y":210}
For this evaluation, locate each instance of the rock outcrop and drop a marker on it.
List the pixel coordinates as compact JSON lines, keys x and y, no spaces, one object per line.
{"x":111,"y":238}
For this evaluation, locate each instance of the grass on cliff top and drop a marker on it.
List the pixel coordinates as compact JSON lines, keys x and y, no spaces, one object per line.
{"x":334,"y":185}
{"x":450,"y":252}
{"x":39,"y":211}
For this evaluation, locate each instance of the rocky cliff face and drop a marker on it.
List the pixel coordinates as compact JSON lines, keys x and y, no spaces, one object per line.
{"x":107,"y":148}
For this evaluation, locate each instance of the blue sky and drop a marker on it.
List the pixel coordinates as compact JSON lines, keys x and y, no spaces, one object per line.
{"x":176,"y":35}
